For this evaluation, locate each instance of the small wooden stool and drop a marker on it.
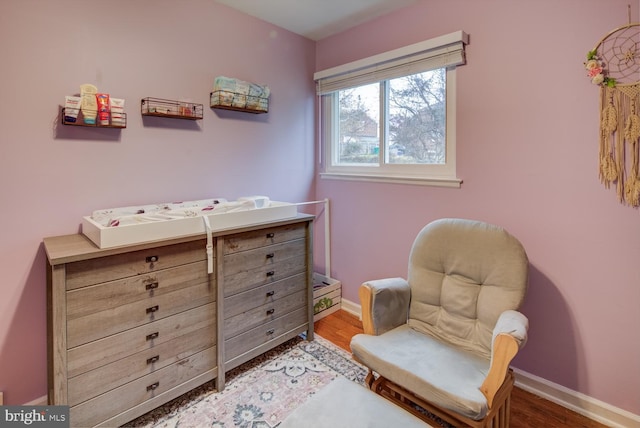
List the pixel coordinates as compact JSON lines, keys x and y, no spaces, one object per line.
{"x":346,"y":404}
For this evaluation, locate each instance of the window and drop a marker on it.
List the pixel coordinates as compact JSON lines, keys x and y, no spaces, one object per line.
{"x":391,"y":117}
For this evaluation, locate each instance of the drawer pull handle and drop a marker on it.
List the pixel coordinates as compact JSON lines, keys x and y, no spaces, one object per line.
{"x":271,"y":273}
{"x":270,"y":255}
{"x":153,"y":359}
{"x":271,"y":311}
{"x":152,"y":259}
{"x":151,"y":286}
{"x":270,"y":235}
{"x":153,"y":386}
{"x":270,"y":293}
{"x":153,"y":309}
{"x":153,"y":336}
{"x":270,"y":331}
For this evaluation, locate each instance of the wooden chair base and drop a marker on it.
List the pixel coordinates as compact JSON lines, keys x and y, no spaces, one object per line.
{"x":498,"y":416}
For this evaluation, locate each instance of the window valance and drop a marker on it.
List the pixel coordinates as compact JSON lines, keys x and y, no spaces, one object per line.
{"x":439,"y":52}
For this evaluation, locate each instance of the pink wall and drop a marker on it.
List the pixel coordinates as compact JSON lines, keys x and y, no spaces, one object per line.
{"x":52,"y":175}
{"x":527,"y":152}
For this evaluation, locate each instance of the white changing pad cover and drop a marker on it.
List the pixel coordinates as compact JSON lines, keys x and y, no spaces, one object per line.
{"x":146,"y":223}
{"x":136,"y":214}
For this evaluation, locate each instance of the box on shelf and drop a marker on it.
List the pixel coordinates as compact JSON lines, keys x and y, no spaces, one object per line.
{"x":327,"y":294}
{"x":235,"y":94}
{"x":235,"y":101}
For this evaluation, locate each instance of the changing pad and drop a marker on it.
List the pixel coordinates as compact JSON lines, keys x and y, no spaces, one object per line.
{"x":114,"y":227}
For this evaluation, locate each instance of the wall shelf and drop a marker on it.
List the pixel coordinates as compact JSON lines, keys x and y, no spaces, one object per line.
{"x":159,"y":107}
{"x":79,"y":121}
{"x":226,"y":100}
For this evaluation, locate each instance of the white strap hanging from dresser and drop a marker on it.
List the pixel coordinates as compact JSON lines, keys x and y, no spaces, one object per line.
{"x":209,"y":247}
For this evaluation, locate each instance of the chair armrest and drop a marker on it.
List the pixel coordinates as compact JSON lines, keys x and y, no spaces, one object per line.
{"x":509,"y":335}
{"x":385,"y":304}
{"x":514,"y":324}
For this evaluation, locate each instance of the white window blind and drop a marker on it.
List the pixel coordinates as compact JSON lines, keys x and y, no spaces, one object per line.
{"x":440,"y":52}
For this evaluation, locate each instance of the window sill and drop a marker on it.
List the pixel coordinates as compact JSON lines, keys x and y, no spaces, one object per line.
{"x":419,"y":181}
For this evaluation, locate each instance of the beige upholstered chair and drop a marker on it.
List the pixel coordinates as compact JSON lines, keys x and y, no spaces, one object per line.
{"x":444,"y":337}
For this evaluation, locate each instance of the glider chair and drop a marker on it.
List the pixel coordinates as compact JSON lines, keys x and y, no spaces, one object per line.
{"x":443,"y":338}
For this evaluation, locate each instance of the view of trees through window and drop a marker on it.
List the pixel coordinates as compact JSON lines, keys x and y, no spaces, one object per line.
{"x":414,"y":130}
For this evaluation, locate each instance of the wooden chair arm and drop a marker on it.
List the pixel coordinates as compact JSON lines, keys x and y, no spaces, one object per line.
{"x":366,"y":302}
{"x":505,"y":347}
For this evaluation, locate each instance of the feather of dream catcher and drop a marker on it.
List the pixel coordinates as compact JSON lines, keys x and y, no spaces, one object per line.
{"x":614,"y":65}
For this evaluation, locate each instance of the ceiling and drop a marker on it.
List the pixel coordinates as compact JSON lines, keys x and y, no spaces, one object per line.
{"x":316,"y":19}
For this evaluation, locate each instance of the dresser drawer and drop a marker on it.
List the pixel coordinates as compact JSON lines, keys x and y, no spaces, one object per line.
{"x":263,"y":275}
{"x":263,"y":256}
{"x":105,"y":406}
{"x":262,"y":295}
{"x":96,"y":298}
{"x":98,"y":353}
{"x":104,"y":323}
{"x":253,"y":338}
{"x":263,"y":314}
{"x":260,"y":238}
{"x":103,"y":269}
{"x":110,"y":376}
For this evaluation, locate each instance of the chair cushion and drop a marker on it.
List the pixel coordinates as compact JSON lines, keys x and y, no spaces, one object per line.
{"x":435,"y":371}
{"x":463,"y":274}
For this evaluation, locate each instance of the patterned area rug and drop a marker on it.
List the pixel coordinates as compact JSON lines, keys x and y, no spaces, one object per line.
{"x":261,"y":392}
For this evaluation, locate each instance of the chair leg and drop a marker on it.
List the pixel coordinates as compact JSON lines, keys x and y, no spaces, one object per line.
{"x":377,"y":385}
{"x":369,"y":379}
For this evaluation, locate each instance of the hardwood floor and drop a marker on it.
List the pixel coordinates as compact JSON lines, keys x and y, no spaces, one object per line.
{"x":527,"y":410}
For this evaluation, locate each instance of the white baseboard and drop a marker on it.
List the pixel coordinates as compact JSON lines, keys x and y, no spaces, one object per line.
{"x":587,"y":406}
{"x":580,"y":403}
{"x":353,"y":308}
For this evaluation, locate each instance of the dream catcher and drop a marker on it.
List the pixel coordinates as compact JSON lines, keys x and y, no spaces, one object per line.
{"x":614,"y":65}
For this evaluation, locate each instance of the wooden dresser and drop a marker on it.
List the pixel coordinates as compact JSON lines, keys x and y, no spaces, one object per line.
{"x":133,"y":327}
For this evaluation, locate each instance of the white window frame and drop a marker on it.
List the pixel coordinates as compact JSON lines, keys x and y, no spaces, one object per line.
{"x":442,"y":52}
